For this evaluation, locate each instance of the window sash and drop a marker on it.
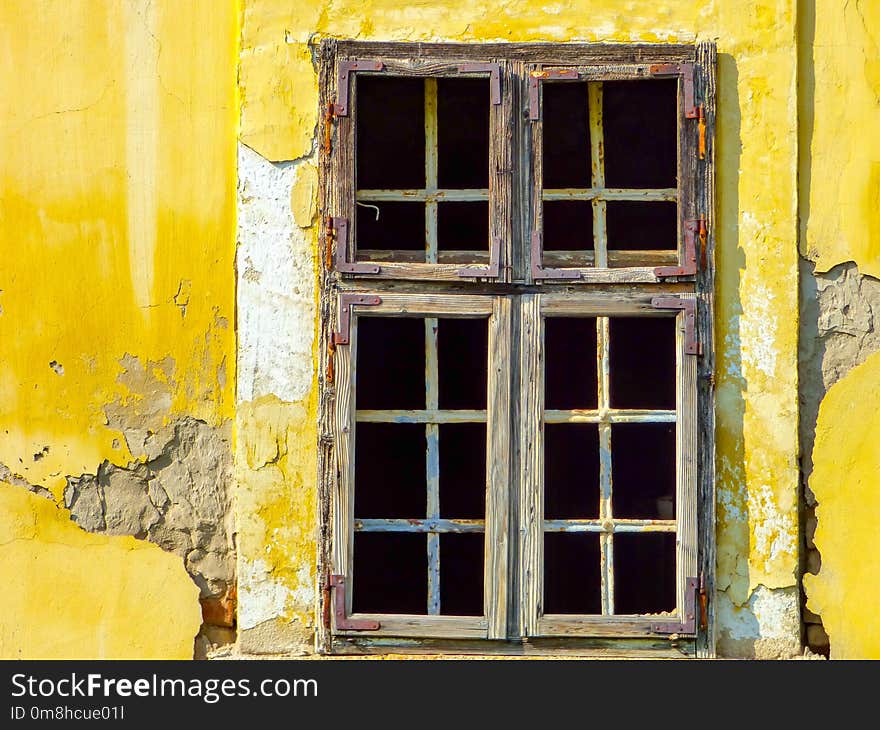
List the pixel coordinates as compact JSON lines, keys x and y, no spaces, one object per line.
{"x":533,"y":621}
{"x":396,"y":263}
{"x":606,"y":266}
{"x":493,"y":624}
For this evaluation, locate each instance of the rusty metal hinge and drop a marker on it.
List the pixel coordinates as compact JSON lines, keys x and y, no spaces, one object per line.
{"x":688,"y":624}
{"x":689,"y":307}
{"x":537,"y":256}
{"x":535,"y":78}
{"x":485,"y":272}
{"x":344,"y":70}
{"x":341,"y":336}
{"x":343,"y":622}
{"x":339,"y":231}
{"x":494,"y":71}
{"x":686,"y":71}
{"x":688,"y":267}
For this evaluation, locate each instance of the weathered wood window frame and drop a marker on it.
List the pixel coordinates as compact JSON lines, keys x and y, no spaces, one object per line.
{"x":516,"y":288}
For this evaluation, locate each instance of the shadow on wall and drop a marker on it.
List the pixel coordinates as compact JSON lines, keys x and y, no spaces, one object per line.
{"x":734,"y":636}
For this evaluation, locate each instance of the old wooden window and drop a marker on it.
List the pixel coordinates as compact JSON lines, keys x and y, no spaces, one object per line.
{"x":516,"y":406}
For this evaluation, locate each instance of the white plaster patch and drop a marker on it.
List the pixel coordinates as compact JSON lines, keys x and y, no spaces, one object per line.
{"x":260,"y":596}
{"x":758,"y":322}
{"x":774,"y":530}
{"x":769,"y":614}
{"x":276,"y":284}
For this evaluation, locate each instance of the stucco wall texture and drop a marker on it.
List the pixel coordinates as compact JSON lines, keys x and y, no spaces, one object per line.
{"x":159,"y":192}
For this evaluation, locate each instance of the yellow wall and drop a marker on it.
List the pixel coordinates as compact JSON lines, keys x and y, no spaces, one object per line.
{"x":757,"y":322}
{"x":841,"y":212}
{"x":117,"y":205}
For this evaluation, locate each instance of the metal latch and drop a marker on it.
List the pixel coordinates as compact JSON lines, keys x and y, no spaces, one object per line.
{"x":344,"y":69}
{"x":686,"y":71}
{"x":688,"y":624}
{"x":689,"y":266}
{"x":341,"y":336}
{"x":535,"y":78}
{"x":494,"y":71}
{"x":343,"y":622}
{"x":538,"y":271}
{"x":689,"y":307}
{"x":339,"y":231}
{"x":485,"y":272}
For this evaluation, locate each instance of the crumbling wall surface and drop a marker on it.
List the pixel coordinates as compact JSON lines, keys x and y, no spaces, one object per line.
{"x":116,"y":305}
{"x":756,"y":304}
{"x":839,"y":87}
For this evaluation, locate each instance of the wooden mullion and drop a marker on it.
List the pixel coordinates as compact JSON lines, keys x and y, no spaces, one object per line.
{"x":610,"y":416}
{"x":422,"y":194}
{"x":437,"y":525}
{"x":496,"y":568}
{"x":606,"y":540}
{"x":601,"y":193}
{"x":435,"y":415}
{"x":431,"y":161}
{"x":597,"y":173}
{"x":432,"y":463}
{"x":531,"y":450}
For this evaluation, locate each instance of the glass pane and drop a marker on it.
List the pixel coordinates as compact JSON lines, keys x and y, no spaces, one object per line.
{"x":389,"y":471}
{"x":461,"y":574}
{"x":390,"y":370}
{"x":390,"y":573}
{"x":463,"y":362}
{"x":571,"y":471}
{"x":571,"y":573}
{"x":570,"y":379}
{"x":566,"y":118}
{"x":463,"y":226}
{"x":643,"y":470}
{"x":644,"y":573}
{"x":463,"y":471}
{"x":390,"y":128}
{"x":643,"y":362}
{"x":568,"y":226}
{"x":463,"y":133}
{"x":642,"y":226}
{"x":391,"y":226}
{"x":641,"y":133}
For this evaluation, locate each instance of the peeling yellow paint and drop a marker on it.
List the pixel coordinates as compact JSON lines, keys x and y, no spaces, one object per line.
{"x":846,"y":482}
{"x":117,"y":198}
{"x":843,"y":217}
{"x":74,"y":595}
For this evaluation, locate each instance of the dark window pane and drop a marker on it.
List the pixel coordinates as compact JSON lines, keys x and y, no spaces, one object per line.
{"x":463,"y":133}
{"x":571,"y":471}
{"x":643,"y":362}
{"x":571,"y":573}
{"x":397,"y":226}
{"x":390,"y":471}
{"x":390,"y":573}
{"x":463,"y":226}
{"x":568,"y":225}
{"x":570,"y":379}
{"x":390,"y":117}
{"x":643,"y":471}
{"x":461,"y":574}
{"x":644,"y":573}
{"x":463,"y":362}
{"x":641,"y":130}
{"x":463,"y":471}
{"x":566,"y":119}
{"x":390,"y":371}
{"x":642,"y":226}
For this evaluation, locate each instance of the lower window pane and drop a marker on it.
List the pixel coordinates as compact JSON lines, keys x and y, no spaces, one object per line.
{"x":571,"y":573}
{"x":390,"y":573}
{"x":461,"y":574}
{"x":644,"y":573}
{"x":643,"y":468}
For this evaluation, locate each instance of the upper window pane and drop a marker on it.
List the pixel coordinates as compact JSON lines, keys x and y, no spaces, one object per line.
{"x":566,"y":135}
{"x":390,"y":132}
{"x":463,"y":133}
{"x":641,"y":133}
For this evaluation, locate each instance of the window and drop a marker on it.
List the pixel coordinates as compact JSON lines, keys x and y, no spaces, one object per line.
{"x":517,"y":448}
